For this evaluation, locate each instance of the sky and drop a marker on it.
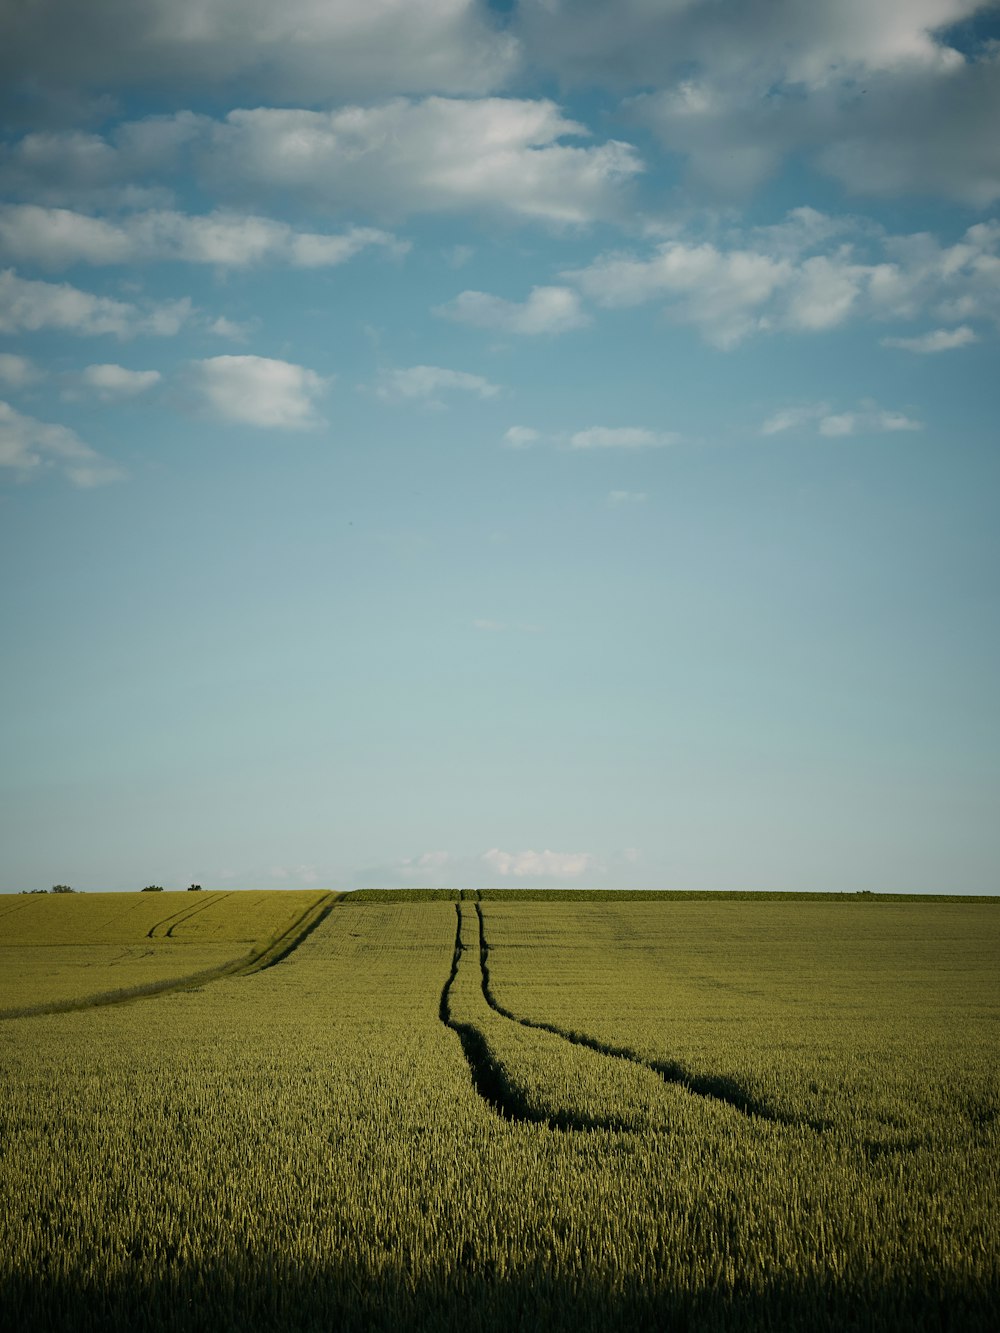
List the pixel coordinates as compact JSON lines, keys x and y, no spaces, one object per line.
{"x":525,"y":444}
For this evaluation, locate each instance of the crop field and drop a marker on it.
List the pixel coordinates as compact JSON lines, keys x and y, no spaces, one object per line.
{"x":497,"y":1111}
{"x":67,"y":949}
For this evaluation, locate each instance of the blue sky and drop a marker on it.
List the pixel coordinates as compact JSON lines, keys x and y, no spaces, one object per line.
{"x":521,"y":444}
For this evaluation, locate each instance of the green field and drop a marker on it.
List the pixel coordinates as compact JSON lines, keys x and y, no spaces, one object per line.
{"x":497,"y":1112}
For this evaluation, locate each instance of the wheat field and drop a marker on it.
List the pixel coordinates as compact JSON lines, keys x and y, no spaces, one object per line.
{"x":479,"y":1111}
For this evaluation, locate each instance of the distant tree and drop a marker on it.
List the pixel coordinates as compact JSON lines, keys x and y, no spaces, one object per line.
{"x":194,"y":888}
{"x":62,"y":888}
{"x":153,"y":888}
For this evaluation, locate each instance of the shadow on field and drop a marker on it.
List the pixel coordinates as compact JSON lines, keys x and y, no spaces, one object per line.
{"x":265,"y":1292}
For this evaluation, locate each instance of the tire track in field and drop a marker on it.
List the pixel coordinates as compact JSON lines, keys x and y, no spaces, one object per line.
{"x":714,"y":1087}
{"x":216,"y":898}
{"x":172,"y":916}
{"x":488,"y":1075}
{"x":272,"y":951}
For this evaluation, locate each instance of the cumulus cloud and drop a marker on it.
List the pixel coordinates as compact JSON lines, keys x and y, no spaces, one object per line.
{"x":547,"y":310}
{"x":649,"y":41}
{"x":924,"y":134}
{"x":878,"y":96}
{"x":426,"y":382}
{"x":257,"y":391}
{"x":30,"y":448}
{"x":59,"y":237}
{"x":808,"y":274}
{"x":540,"y":865}
{"x":916,"y":130}
{"x":113,"y":383}
{"x":498,"y":155}
{"x":870,"y":419}
{"x":29,"y":305}
{"x":17,"y":372}
{"x":438,"y":155}
{"x":937,"y":340}
{"x":297,"y":49}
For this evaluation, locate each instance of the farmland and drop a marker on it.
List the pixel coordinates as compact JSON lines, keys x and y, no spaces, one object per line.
{"x":63,"y":951}
{"x":493,"y":1111}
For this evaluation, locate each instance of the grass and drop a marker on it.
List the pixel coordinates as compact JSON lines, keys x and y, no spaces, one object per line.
{"x":313,"y":1146}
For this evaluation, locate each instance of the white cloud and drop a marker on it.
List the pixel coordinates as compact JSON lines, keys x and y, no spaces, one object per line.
{"x":521,"y":437}
{"x":769,"y":279}
{"x":297,"y":49}
{"x":547,"y":310}
{"x":58,"y":237}
{"x":593,"y":437}
{"x":938,"y":340}
{"x":618,"y":499}
{"x":31,"y":447}
{"x":620,"y":437}
{"x":438,"y":155}
{"x":257,"y":391}
{"x":30,"y":305}
{"x":425,"y":382}
{"x":722,"y":293}
{"x":17,"y":372}
{"x":497,"y":155}
{"x":540,"y":865}
{"x":112,"y":383}
{"x":231,"y":328}
{"x":866,"y":423}
{"x":792,"y":418}
{"x":870,"y":419}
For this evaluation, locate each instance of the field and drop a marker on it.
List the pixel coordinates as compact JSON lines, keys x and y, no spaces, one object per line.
{"x":59,"y":951}
{"x":496,"y":1111}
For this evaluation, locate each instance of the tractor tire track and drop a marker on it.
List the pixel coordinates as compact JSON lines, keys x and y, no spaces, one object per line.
{"x":272,"y":951}
{"x":151,"y":933}
{"x":216,"y":898}
{"x":713,"y":1087}
{"x":489,"y":1077}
